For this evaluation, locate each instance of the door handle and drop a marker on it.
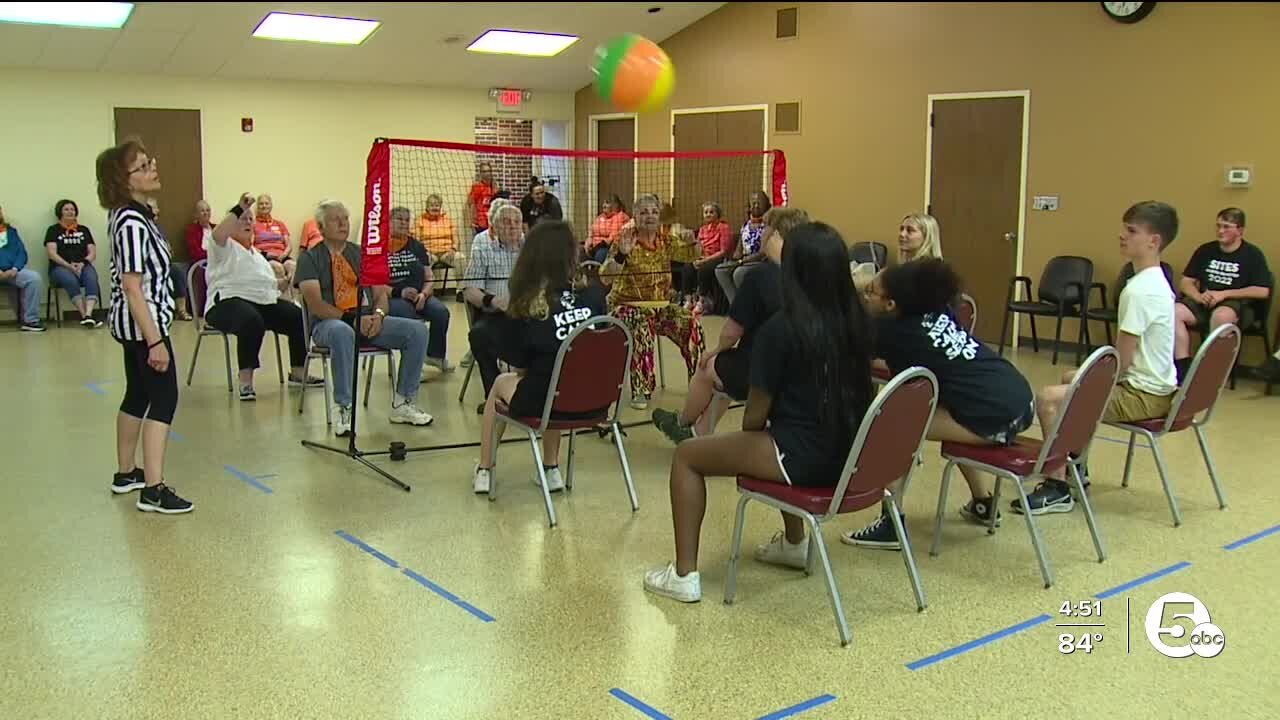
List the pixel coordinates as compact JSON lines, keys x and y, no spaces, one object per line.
{"x":1010,"y":237}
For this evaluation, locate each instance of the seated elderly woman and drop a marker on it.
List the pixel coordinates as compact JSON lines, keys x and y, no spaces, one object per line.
{"x":271,"y":238}
{"x":411,"y":287}
{"x":436,"y":232}
{"x":71,"y":257}
{"x":638,"y":272}
{"x":243,"y":299}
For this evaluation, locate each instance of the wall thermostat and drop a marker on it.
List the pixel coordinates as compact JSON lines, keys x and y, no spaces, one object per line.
{"x":1239,"y":176}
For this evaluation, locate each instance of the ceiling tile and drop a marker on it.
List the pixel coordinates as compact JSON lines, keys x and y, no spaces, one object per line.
{"x":77,"y":48}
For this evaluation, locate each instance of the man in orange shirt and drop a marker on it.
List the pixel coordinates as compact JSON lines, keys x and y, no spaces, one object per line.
{"x":482,"y":193}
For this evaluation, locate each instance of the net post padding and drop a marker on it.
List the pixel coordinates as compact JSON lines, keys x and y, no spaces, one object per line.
{"x":377,"y":216}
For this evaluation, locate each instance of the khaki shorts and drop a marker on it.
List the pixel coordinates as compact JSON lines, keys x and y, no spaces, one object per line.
{"x":1129,"y":405}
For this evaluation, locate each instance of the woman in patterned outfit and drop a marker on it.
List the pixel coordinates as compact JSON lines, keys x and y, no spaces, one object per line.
{"x":638,"y":271}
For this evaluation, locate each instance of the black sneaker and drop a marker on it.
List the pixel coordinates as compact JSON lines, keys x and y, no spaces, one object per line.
{"x":36,"y":326}
{"x":879,"y":534}
{"x":670,"y":425}
{"x":247,"y":393}
{"x":1050,"y":496}
{"x":123,"y":483}
{"x":979,"y":511}
{"x":162,"y":499}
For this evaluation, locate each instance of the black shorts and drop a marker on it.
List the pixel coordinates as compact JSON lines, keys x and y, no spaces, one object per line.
{"x":1004,"y":432}
{"x":530,"y":398}
{"x":1243,"y":310}
{"x":733,"y":366}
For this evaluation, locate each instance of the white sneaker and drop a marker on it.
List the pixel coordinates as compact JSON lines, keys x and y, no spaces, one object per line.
{"x":467,"y":360}
{"x":406,"y":413}
{"x":441,"y":364}
{"x":555,"y":483}
{"x":480,"y":480}
{"x":341,"y":420}
{"x":781,"y":552}
{"x":665,"y":582}
{"x":640,"y":403}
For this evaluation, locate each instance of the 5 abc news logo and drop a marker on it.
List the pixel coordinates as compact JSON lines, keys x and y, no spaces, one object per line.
{"x":1178,"y":625}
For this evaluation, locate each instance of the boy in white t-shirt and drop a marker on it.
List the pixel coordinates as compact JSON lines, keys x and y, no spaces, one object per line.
{"x":1147,"y":380}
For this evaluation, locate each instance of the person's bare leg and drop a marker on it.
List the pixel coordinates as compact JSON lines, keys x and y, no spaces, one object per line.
{"x":551,"y":448}
{"x":504,"y":386}
{"x":714,"y":413}
{"x":89,"y":306}
{"x":246,"y":378}
{"x":1048,"y":404}
{"x":728,"y":455}
{"x":155,"y":438}
{"x":794,"y":528}
{"x":1221,"y":316}
{"x":701,"y":386}
{"x":80,"y":306}
{"x":128,"y":431}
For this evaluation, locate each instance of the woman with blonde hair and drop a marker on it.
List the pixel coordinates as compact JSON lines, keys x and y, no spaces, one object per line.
{"x":919,"y":237}
{"x":542,"y":311}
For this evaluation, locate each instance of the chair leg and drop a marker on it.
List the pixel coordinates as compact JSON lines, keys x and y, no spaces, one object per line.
{"x":995,"y":503}
{"x":328,"y":392}
{"x":1164,"y":479}
{"x":1213,"y":472}
{"x":568,"y":478}
{"x":1088,"y":512}
{"x":626,"y":467}
{"x":1004,"y":330}
{"x":280,"y":362}
{"x":836,"y":607}
{"x":1034,"y":531}
{"x":1035,"y":339}
{"x":1057,"y":337}
{"x":542,"y":477}
{"x":466,"y":380}
{"x":194,"y":356}
{"x":735,"y":551}
{"x":662,"y":370}
{"x":942,"y":508}
{"x":226,"y":347}
{"x":1081,"y":345}
{"x":908,"y":557}
{"x":1128,"y":460}
{"x":1107,"y":324}
{"x":812,"y":557}
{"x":306,"y":370}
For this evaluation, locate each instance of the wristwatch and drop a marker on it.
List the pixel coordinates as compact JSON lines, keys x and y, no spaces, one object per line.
{"x":379,"y":311}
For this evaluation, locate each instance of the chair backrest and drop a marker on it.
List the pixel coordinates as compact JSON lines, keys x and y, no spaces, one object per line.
{"x":966,"y":312}
{"x":1206,"y":377}
{"x":197,"y":290}
{"x":1262,"y":308}
{"x":1066,"y":279}
{"x":1083,"y":407}
{"x":869,"y":252}
{"x":592,"y":369}
{"x":890,"y":437}
{"x":589,"y":274}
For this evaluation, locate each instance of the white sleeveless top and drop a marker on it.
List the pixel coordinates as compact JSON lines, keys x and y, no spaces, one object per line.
{"x":237,"y":272}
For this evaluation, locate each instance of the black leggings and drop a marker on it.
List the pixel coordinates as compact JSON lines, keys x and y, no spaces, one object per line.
{"x":249,"y":322}
{"x":149,"y":394}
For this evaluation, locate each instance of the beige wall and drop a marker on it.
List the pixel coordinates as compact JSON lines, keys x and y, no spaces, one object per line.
{"x":310,"y":140}
{"x":1118,"y":113}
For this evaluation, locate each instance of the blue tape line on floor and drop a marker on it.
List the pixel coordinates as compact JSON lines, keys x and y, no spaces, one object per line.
{"x":247,"y":478}
{"x":95,"y":388}
{"x":975,"y":644}
{"x":797,"y":709}
{"x":424,"y":582}
{"x":1252,"y":538}
{"x":1143,"y":580}
{"x":638,"y":705}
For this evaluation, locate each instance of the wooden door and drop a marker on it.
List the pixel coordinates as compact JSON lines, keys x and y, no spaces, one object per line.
{"x":615,"y":176}
{"x":975,"y":194}
{"x":728,"y":181}
{"x":173,"y":138}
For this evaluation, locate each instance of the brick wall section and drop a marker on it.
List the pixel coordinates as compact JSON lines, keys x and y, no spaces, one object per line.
{"x":511,"y":172}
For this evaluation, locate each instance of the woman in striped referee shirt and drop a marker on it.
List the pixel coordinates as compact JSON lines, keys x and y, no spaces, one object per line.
{"x":141,"y":313}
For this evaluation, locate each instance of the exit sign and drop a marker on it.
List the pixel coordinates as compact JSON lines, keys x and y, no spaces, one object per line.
{"x":509,"y":100}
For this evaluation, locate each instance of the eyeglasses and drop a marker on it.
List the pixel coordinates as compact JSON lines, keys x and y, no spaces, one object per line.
{"x":1227,"y":226}
{"x":150,"y":164}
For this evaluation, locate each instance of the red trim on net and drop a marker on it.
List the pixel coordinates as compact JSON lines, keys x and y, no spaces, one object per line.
{"x":374,"y":269}
{"x":597,"y":154}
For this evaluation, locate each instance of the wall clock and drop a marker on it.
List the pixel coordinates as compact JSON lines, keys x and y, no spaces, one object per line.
{"x":1128,"y":12}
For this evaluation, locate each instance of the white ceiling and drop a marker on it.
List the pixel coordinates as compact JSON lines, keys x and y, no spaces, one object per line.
{"x":214,"y":40}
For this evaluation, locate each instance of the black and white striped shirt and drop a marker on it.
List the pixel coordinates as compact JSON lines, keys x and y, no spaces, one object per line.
{"x":138,"y":246}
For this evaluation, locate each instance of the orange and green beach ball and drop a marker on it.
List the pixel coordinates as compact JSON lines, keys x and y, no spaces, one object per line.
{"x":633,"y":73}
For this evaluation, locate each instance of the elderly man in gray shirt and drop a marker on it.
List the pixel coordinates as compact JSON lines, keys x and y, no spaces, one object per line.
{"x":485,"y":289}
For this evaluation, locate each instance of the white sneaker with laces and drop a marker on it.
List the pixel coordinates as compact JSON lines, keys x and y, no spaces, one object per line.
{"x":667,"y":583}
{"x":467,"y":360}
{"x":441,"y":364}
{"x":480,"y":480}
{"x":781,"y":552}
{"x":555,"y":482}
{"x":406,"y":413}
{"x":341,"y":420}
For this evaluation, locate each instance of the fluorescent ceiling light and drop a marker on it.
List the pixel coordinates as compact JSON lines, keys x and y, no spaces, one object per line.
{"x":314,"y":28}
{"x":515,"y":42}
{"x":75,"y":14}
